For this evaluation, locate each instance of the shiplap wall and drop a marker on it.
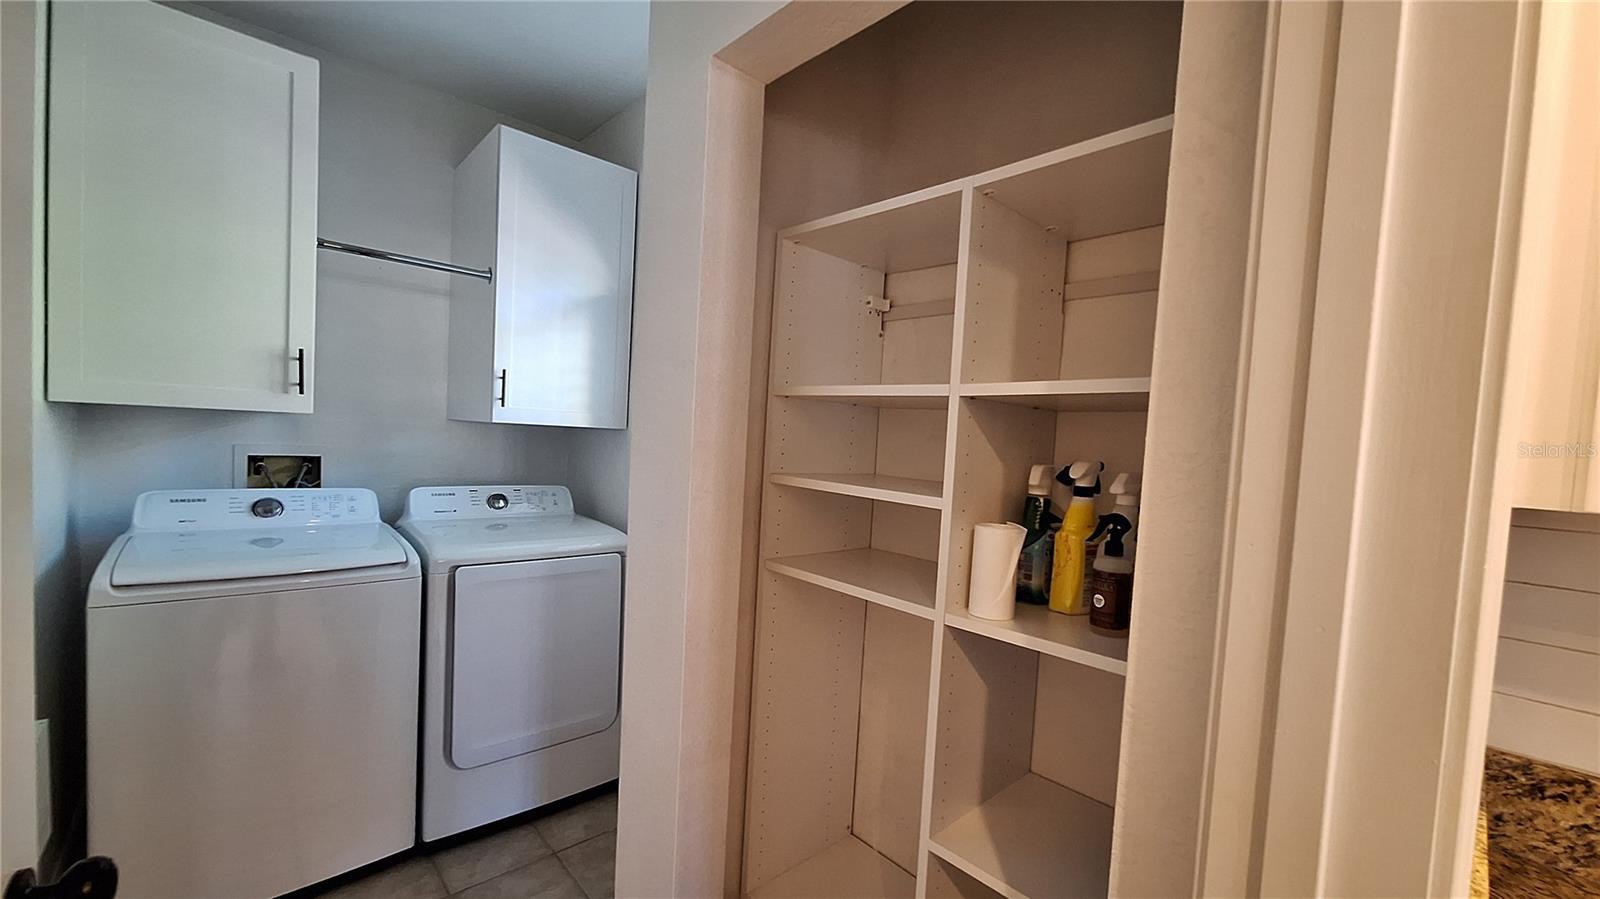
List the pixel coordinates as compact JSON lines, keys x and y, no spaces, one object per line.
{"x":1547,"y":673}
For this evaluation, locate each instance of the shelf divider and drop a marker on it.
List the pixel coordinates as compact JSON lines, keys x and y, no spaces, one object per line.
{"x":1032,"y":840}
{"x":886,"y":488}
{"x":903,"y":583}
{"x":1037,"y":628}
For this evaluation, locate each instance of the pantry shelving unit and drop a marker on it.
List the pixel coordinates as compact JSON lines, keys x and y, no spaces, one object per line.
{"x":927,"y":350}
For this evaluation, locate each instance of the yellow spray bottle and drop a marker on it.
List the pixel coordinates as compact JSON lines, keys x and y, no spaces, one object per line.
{"x":1067,"y":573}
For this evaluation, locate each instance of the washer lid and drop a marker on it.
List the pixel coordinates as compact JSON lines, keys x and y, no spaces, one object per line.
{"x":174,"y":557}
{"x":446,"y":543}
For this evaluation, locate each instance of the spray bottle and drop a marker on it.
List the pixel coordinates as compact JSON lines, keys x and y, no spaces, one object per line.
{"x":1033,"y":566}
{"x":1110,"y":584}
{"x":1125,"y":493}
{"x":1066,"y":579}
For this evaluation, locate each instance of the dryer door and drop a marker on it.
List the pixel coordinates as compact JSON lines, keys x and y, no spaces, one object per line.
{"x":535,"y":655}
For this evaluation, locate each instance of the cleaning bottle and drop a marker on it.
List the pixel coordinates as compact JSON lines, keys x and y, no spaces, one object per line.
{"x":1033,"y":566}
{"x":1066,"y":578}
{"x":1110,"y":583}
{"x":1125,"y":490}
{"x":1126,"y":500}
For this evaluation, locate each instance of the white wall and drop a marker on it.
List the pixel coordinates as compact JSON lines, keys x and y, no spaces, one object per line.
{"x":387,"y":158}
{"x":1547,"y":668}
{"x":598,"y":473}
{"x":620,"y":139}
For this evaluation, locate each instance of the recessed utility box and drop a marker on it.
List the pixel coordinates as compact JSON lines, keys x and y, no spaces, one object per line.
{"x":277,"y":466}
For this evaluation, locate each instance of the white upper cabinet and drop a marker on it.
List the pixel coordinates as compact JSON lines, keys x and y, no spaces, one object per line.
{"x":545,"y":341}
{"x":182,"y":182}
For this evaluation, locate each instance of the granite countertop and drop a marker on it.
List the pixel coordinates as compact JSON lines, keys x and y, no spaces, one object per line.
{"x":1544,"y":828}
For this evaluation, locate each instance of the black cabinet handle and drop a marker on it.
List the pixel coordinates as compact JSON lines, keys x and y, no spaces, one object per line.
{"x":300,"y":371}
{"x":502,"y":388}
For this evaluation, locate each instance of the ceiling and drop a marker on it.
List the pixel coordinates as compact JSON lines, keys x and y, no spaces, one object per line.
{"x":558,"y":64}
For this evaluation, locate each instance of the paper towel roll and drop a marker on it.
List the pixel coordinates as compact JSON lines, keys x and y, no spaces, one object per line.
{"x":992,"y":588}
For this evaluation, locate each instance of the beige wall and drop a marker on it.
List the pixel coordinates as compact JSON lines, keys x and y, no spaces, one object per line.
{"x":942,"y":90}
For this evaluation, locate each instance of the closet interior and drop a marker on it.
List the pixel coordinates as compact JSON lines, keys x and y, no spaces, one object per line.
{"x":926,"y":351}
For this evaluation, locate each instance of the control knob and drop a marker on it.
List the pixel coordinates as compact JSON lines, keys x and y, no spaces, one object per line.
{"x":266,"y":507}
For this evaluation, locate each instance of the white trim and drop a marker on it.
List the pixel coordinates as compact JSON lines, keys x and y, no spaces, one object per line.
{"x":1297,"y":108}
{"x":1373,"y":762}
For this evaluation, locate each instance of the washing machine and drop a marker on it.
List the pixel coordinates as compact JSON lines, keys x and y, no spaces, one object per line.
{"x":522,"y":650}
{"x":253,"y":668}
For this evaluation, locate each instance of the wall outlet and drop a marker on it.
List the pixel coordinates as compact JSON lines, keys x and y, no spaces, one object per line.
{"x":278,"y":466}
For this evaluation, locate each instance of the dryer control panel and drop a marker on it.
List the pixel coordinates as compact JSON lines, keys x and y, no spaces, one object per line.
{"x":434,"y":503}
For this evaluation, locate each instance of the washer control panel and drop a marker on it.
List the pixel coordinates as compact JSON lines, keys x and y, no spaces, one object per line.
{"x":202,"y":510}
{"x":434,"y":503}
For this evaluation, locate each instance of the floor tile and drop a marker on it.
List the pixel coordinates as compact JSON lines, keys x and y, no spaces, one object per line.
{"x":571,"y":826}
{"x":475,"y":862}
{"x":593,"y":864}
{"x":414,"y":878}
{"x":544,"y":879}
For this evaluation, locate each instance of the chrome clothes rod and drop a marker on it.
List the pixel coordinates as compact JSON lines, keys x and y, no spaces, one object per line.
{"x":385,"y":256}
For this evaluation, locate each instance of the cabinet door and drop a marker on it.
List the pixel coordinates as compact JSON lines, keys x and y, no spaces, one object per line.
{"x":182,"y":182}
{"x":564,"y":286}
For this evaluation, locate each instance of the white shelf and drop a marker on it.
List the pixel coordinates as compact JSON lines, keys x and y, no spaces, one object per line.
{"x":1033,"y":839}
{"x":1037,"y":628}
{"x":903,"y":583}
{"x":847,"y":868}
{"x":886,"y":488}
{"x":898,"y":396}
{"x":1105,"y":185}
{"x":1081,"y":395}
{"x":913,"y":231}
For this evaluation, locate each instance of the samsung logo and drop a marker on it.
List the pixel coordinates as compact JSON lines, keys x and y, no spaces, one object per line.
{"x":445,"y":493}
{"x":186,"y":499}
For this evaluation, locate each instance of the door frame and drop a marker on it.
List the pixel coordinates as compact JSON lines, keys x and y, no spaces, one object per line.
{"x":1351,"y":700}
{"x":21,"y":285}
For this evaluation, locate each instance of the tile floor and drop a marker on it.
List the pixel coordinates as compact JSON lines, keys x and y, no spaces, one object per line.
{"x":568,"y":854}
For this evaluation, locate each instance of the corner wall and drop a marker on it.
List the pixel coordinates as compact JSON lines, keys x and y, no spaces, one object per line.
{"x":598,"y":472}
